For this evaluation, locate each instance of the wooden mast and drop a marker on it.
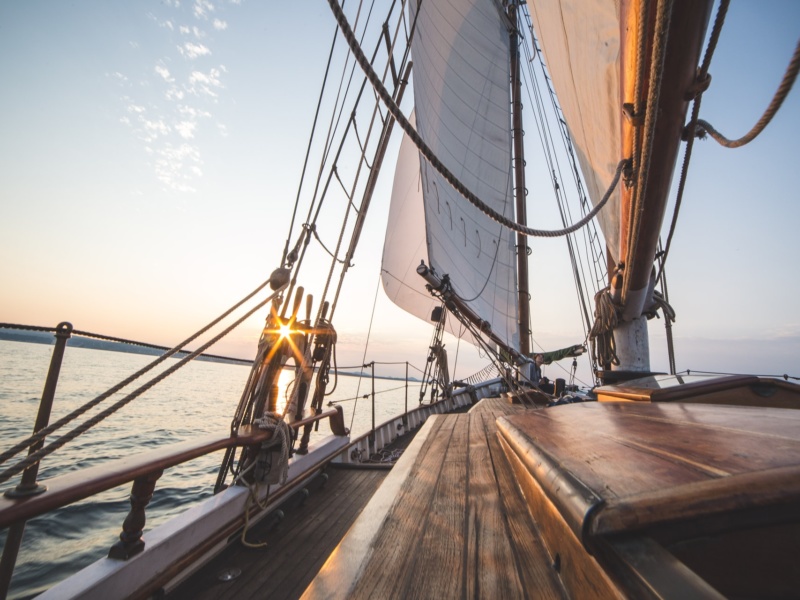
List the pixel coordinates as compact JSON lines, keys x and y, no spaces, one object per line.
{"x":639,"y":234}
{"x":519,"y":187}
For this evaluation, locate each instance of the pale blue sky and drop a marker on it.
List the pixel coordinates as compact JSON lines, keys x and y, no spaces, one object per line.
{"x":151,"y":151}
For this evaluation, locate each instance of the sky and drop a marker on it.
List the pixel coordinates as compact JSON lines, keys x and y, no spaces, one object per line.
{"x":151,"y":154}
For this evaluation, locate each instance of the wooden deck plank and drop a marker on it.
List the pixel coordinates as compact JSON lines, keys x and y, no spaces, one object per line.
{"x":391,"y":557}
{"x":295,"y":560}
{"x":534,"y":563}
{"x":496,"y":406}
{"x":489,"y":551}
{"x":281,"y":570}
{"x":459,"y":527}
{"x":439,"y":569}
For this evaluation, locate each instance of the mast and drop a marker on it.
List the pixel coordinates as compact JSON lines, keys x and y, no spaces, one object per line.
{"x":654,"y":149}
{"x":519,"y":186}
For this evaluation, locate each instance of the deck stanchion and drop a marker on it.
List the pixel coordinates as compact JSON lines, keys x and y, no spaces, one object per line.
{"x":28,"y":485}
{"x":405,"y":414}
{"x":372,"y":432}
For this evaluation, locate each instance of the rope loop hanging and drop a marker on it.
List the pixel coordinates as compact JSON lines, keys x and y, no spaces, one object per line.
{"x":777,"y":100}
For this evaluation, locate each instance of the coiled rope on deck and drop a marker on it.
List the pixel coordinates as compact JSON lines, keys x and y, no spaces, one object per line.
{"x":429,"y":155}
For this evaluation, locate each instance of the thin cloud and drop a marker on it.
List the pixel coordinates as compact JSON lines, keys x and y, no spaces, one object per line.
{"x":171,"y":106}
{"x":175,"y":94}
{"x":191,"y":50}
{"x":164,"y":72}
{"x":176,"y":166}
{"x":186,"y":30}
{"x":186,"y":129}
{"x":154,"y":129}
{"x":191,"y":112}
{"x":202,"y":8}
{"x":205,"y":83}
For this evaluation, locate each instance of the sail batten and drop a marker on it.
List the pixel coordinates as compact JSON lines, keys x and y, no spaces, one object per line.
{"x":462,"y":110}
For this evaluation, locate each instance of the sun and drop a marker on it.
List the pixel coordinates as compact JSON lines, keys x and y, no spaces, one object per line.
{"x":284,"y":331}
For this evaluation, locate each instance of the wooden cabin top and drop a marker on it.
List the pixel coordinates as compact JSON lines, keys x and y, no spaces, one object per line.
{"x":619,"y":467}
{"x":741,"y":390}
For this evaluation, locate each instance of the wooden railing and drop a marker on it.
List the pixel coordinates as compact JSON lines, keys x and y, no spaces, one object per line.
{"x":143,"y":470}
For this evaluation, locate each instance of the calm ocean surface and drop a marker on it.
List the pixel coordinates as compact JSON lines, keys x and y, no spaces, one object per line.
{"x":196,"y":400}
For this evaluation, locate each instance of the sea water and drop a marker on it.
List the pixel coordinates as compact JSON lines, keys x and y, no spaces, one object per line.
{"x":197,"y":400}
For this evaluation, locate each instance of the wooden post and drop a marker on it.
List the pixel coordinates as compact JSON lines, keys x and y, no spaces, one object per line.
{"x":28,"y":485}
{"x":130,"y":540}
{"x":372,"y":433}
{"x":405,"y":414}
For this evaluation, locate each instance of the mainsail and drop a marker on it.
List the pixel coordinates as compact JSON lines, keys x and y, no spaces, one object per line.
{"x":462,"y":106}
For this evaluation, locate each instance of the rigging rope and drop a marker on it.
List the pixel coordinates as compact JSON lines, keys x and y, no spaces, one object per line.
{"x":780,"y":95}
{"x":425,"y":150}
{"x":88,"y":424}
{"x":702,"y":80}
{"x":42,"y":433}
{"x":119,"y":340}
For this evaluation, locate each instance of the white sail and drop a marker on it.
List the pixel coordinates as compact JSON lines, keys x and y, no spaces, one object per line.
{"x":462,"y":103}
{"x":580,"y":42}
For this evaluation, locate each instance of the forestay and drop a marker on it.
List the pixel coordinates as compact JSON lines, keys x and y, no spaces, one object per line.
{"x":462,"y":106}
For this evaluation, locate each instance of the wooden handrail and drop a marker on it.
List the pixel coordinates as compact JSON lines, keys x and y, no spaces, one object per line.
{"x":77,"y":485}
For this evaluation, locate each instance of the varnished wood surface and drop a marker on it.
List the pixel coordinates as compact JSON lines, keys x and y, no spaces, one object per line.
{"x":738,"y":390}
{"x":647,"y":463}
{"x":457,"y":528}
{"x":77,"y":485}
{"x":296,"y":548}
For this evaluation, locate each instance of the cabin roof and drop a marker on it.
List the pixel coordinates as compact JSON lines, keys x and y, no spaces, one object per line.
{"x":614,"y":467}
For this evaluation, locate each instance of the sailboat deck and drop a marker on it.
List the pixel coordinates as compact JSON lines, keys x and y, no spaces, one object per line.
{"x":296,"y":548}
{"x":450,"y":523}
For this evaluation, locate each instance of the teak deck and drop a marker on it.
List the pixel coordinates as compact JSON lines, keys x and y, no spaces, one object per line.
{"x":448,"y":522}
{"x":585,"y":500}
{"x":589,"y":500}
{"x":296,"y":548}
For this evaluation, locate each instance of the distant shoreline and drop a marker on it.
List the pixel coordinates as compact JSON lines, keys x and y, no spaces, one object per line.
{"x":77,"y":341}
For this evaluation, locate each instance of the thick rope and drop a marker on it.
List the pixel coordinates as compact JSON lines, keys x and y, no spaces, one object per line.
{"x":111,"y":338}
{"x":432,"y":158}
{"x":280,"y":436}
{"x":35,"y":457}
{"x":780,"y":95}
{"x":602,"y":333}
